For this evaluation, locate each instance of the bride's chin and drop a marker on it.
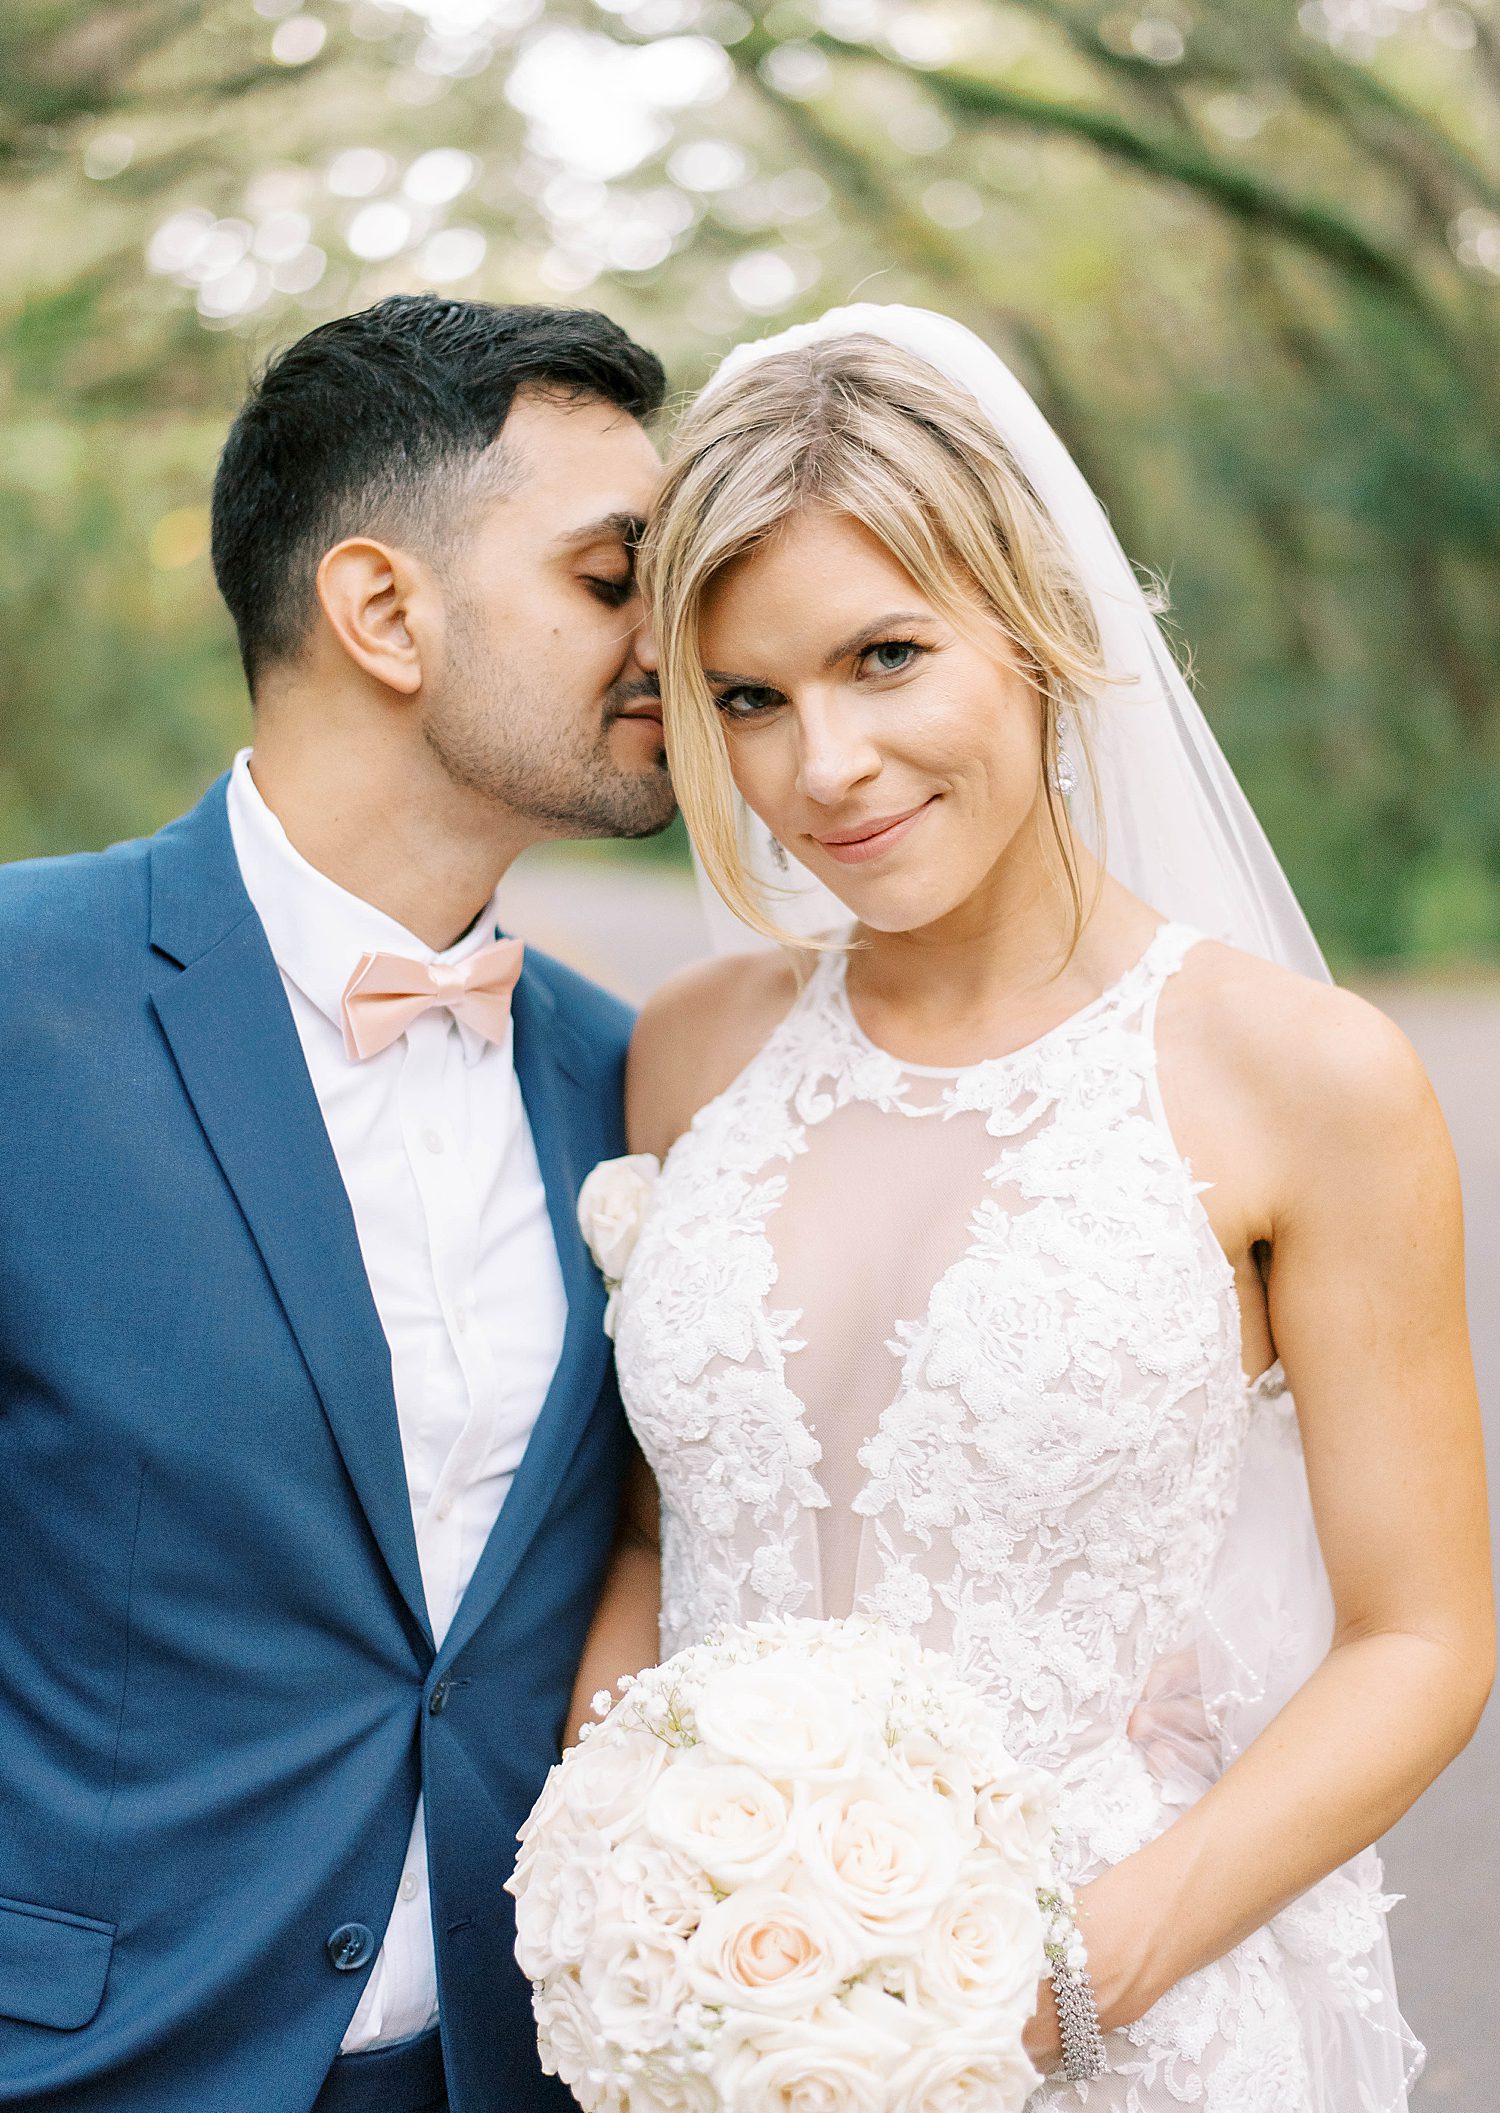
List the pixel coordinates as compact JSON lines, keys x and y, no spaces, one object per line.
{"x":894,"y":908}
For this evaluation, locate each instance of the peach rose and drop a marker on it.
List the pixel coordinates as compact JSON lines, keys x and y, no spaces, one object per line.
{"x":768,"y":1951}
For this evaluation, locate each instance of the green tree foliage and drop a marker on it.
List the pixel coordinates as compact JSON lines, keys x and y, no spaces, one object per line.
{"x":1248,"y":259}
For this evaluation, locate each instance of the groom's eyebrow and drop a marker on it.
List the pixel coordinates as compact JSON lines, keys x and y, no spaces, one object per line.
{"x":623,"y":528}
{"x":872,"y":634}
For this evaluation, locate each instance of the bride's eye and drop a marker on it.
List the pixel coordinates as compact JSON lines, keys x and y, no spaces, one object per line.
{"x":748,"y":700}
{"x":892,"y":656}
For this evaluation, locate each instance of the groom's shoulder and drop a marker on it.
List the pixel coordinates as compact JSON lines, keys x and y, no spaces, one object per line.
{"x":599,"y":1021}
{"x":83,"y":904}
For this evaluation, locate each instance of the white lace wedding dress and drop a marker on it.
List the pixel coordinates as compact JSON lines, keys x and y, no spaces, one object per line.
{"x":959,"y":1349}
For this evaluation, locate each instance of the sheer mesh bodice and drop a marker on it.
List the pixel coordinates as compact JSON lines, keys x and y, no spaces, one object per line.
{"x":959,"y":1349}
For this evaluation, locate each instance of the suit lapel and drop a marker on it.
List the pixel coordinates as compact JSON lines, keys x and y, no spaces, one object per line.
{"x":561,"y":1104}
{"x":219,"y":998}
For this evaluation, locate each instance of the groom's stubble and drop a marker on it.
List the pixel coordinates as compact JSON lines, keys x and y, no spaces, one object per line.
{"x":547,"y":760}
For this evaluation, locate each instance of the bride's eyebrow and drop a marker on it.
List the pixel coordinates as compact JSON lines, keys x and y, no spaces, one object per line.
{"x":872,"y":634}
{"x":742,"y":682}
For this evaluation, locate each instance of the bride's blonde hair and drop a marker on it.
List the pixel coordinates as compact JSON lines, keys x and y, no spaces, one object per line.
{"x":863,"y":428}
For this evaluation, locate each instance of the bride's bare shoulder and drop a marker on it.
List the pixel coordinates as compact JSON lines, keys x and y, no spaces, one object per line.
{"x":695,"y":1035}
{"x":1318,"y":1058}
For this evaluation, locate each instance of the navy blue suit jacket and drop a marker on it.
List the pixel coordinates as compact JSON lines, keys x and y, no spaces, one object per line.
{"x":219,"y":1696}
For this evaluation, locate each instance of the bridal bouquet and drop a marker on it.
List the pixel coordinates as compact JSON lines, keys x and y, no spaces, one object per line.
{"x":793,"y":1868}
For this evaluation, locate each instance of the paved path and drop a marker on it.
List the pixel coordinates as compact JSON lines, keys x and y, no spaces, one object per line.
{"x":628,"y":927}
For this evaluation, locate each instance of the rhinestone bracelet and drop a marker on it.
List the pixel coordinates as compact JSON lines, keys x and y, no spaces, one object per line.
{"x":1072,"y":1990}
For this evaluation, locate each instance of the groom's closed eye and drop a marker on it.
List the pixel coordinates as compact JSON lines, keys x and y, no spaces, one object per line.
{"x":603,"y":553}
{"x":614,"y":589}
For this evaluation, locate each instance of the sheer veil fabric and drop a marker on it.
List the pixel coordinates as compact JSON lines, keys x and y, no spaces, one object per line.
{"x":1179,"y":832}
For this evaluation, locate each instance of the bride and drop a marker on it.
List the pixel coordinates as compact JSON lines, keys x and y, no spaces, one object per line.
{"x":1008,"y":1205}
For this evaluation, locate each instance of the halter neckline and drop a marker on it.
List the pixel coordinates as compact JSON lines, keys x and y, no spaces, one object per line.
{"x":1163,"y":952}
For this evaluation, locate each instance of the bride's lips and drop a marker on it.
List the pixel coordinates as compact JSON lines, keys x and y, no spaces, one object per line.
{"x":852,"y":847}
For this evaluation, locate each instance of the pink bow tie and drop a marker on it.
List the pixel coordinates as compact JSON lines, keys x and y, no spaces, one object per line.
{"x":387,"y":992}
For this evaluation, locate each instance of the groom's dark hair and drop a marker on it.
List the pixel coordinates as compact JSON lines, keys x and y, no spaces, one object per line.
{"x":378,"y":424}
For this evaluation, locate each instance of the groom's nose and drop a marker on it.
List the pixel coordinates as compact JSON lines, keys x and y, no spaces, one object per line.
{"x":644,"y":646}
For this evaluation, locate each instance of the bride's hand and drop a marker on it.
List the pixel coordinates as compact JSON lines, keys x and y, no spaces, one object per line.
{"x":1116,"y":1932}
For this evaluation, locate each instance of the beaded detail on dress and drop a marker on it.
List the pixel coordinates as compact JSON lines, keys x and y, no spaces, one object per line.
{"x":960,"y":1349}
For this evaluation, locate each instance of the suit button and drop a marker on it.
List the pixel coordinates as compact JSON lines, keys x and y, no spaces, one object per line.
{"x":437,"y":1701}
{"x":350,"y":1947}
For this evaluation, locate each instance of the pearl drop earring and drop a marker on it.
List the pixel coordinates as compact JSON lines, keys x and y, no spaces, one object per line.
{"x":1062,"y":771}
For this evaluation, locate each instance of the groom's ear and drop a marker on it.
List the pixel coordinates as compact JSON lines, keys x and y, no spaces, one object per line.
{"x":375,"y":599}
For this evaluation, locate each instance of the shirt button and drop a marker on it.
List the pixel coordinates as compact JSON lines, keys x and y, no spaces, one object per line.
{"x":433,"y":1139}
{"x":409,"y":1886}
{"x":462,"y":1320}
{"x":444,"y":1508}
{"x":350,"y":1947}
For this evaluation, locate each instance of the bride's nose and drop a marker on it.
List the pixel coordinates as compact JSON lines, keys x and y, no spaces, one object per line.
{"x":834,"y":751}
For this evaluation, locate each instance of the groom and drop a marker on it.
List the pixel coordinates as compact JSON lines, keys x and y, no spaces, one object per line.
{"x":309,"y":1454}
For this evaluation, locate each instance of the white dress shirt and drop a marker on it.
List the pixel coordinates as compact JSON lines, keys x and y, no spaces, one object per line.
{"x":436,"y":1154}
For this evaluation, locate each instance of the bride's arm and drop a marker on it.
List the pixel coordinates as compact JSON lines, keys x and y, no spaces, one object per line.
{"x":1365,"y":1296}
{"x":622,"y":1636}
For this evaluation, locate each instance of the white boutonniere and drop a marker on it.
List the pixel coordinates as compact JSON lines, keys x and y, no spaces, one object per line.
{"x":612,"y":1206}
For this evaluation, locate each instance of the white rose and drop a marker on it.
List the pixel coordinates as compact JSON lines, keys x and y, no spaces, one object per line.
{"x":612,"y":1206}
{"x":949,"y":2078}
{"x":635,"y":1982}
{"x":805,"y":2079}
{"x":658,"y":2089}
{"x":883,"y":1853}
{"x":566,"y":2038}
{"x":561,"y":1888}
{"x":723,"y":1817}
{"x":833,"y":2059}
{"x":658,"y":1891}
{"x":768,"y":1951}
{"x":779,"y":1715}
{"x":870,"y":1658}
{"x":536,"y":1884}
{"x":933,"y":1767}
{"x":1014,"y":1817}
{"x":606,"y":1781}
{"x":984,"y":1948}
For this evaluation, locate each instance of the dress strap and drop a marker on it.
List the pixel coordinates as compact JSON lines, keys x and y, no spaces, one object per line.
{"x":1169,"y":948}
{"x":1164,"y":957}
